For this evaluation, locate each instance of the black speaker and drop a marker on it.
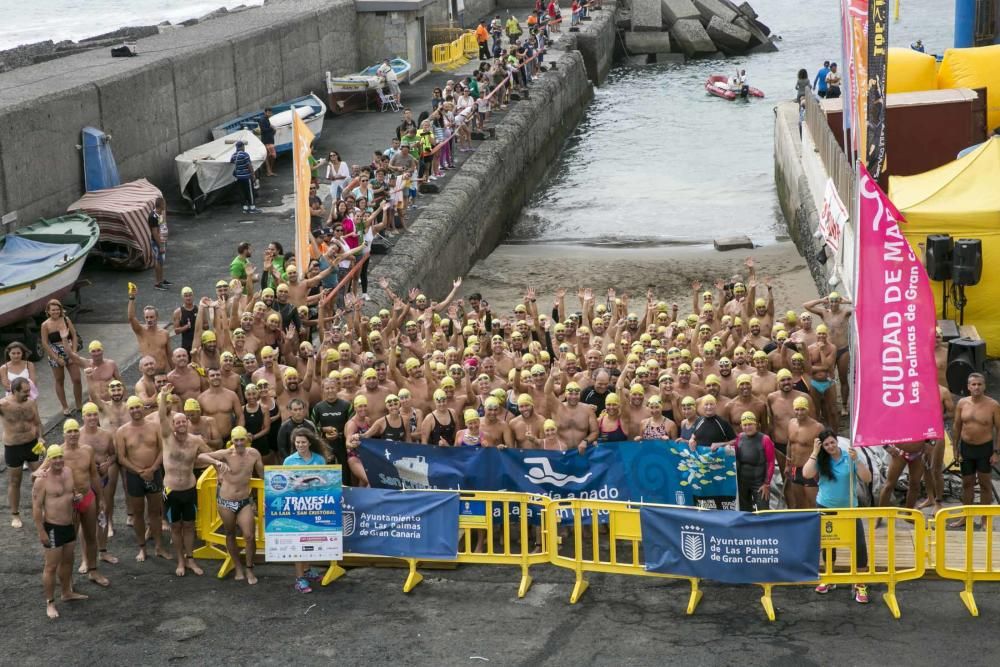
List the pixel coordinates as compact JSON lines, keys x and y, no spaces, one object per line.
{"x":967,"y":262}
{"x":965,"y":356}
{"x":937,"y":256}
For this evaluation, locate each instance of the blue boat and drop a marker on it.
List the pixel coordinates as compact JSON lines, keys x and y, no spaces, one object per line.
{"x":99,"y":168}
{"x":310,"y":108}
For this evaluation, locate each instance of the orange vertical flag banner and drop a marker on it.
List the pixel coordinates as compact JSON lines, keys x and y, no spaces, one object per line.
{"x":302,"y":139}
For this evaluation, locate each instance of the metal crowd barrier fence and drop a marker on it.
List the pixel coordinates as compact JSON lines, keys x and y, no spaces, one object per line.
{"x":592,"y":549}
{"x":972,"y":569}
{"x":455,"y":53}
{"x":839,"y":529}
{"x":523,"y":530}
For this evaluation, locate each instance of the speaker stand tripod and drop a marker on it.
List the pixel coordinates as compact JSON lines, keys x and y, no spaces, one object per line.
{"x":958,"y":298}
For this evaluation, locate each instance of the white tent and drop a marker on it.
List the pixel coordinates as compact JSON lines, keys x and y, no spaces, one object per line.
{"x":210,"y":165}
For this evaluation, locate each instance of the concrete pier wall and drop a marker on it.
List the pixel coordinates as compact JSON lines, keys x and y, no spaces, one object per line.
{"x":164,"y":101}
{"x":474,"y":213}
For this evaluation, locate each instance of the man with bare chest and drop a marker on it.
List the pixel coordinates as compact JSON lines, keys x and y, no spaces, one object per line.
{"x":113,"y":411}
{"x":22,"y":428}
{"x":493,"y":432}
{"x":98,"y":370}
{"x":527,"y":427}
{"x":235,"y":467}
{"x":221,"y":404}
{"x":140,"y":454}
{"x":153,"y":341}
{"x":185,"y":380}
{"x":102,"y":441}
{"x":802,"y":433}
{"x":577,"y":421}
{"x":180,"y":495}
{"x":52,"y":509}
{"x":974,"y":441}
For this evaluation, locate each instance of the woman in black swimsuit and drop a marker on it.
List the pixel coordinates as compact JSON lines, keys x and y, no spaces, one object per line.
{"x":268,"y":402}
{"x":392,"y":426}
{"x":439,"y":426}
{"x":412,"y":415}
{"x":609,"y":426}
{"x":258,"y":423}
{"x":353,"y":429}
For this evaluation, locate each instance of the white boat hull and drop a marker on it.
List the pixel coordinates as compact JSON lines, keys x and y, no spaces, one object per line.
{"x":20,"y":302}
{"x":283,"y":134}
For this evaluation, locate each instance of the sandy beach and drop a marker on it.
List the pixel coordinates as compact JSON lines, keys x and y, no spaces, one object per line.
{"x":669,"y":271}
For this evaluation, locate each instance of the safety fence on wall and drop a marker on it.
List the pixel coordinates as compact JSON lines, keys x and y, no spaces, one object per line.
{"x":882,"y":546}
{"x":838,"y":165}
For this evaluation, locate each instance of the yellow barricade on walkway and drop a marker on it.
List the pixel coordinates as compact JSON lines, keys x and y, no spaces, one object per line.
{"x":455,"y":53}
{"x":440,"y":56}
{"x":594,"y":550}
{"x":471,"y":45}
{"x":493,"y":530}
{"x":971,"y":557}
{"x":840,"y":532}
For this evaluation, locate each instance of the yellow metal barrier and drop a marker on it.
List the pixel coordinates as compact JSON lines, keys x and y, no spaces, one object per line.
{"x":838,"y":531}
{"x":493,"y":531}
{"x":440,"y":56}
{"x":471,"y":45}
{"x":598,"y":550}
{"x":975,"y":548}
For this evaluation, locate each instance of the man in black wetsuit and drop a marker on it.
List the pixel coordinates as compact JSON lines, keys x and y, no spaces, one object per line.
{"x":331,"y":416}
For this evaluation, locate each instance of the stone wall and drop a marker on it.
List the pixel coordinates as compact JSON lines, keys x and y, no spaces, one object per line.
{"x":474,"y":213}
{"x":164,"y":101}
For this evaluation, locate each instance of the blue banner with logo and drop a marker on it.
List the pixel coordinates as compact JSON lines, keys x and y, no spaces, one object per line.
{"x":656,"y":471}
{"x":732,"y":547}
{"x":381,"y":522}
{"x":302,"y":513}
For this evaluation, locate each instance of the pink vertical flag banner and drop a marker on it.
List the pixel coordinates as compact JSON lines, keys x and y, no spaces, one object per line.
{"x":896,"y":393}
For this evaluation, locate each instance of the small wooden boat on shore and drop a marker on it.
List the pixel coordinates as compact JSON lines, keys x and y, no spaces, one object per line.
{"x":718,"y":85}
{"x":352,"y":91}
{"x":310,"y":108}
{"x":42,"y":261}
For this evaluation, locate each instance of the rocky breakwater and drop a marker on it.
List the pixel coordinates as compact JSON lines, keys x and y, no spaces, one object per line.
{"x":673,"y":30}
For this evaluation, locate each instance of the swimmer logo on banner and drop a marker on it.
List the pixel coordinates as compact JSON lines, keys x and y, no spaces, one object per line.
{"x":302,"y":139}
{"x":896,"y":392}
{"x":302,"y":513}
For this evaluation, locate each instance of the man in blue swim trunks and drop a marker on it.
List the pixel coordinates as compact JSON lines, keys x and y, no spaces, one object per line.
{"x":235,"y":467}
{"x":822,"y":359}
{"x":836,"y":311}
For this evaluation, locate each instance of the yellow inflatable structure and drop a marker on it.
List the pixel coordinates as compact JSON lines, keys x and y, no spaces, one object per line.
{"x":974,"y":68}
{"x":910,"y":71}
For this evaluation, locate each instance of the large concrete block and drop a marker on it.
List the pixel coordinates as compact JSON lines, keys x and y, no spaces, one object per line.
{"x":728,"y":36}
{"x":647,"y":15}
{"x":138,"y":111}
{"x":747,"y":10}
{"x":710,"y":8}
{"x":206,"y":92}
{"x":757,"y":36}
{"x":257,"y":63}
{"x":690,"y":37}
{"x":338,"y":39}
{"x":42,"y":170}
{"x":678,"y":9}
{"x":647,"y":42}
{"x":301,"y":69}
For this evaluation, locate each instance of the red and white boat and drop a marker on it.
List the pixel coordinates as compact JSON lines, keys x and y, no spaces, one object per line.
{"x":718,"y":85}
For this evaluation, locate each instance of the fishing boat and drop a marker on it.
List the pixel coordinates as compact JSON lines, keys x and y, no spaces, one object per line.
{"x":718,"y":85}
{"x":206,"y":170}
{"x":40,"y":262}
{"x":352,"y":91}
{"x":99,"y":168}
{"x":310,"y":108}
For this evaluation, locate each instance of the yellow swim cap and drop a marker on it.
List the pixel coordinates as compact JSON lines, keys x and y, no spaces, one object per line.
{"x":612,"y":399}
{"x":525,"y":399}
{"x":290,"y":372}
{"x":89,"y":409}
{"x":822,"y":329}
{"x":238,"y":433}
{"x":440,"y":395}
{"x":708,"y":398}
{"x":266,"y":351}
{"x":712,"y":379}
{"x":411,"y":363}
{"x":448,"y":382}
{"x":637,"y":390}
{"x":70,"y":425}
{"x":369,"y":373}
{"x":331,"y":355}
{"x":784,"y":373}
{"x":95,"y":346}
{"x":573,"y":387}
{"x":684,"y":368}
{"x":743,"y":379}
{"x":549,"y":425}
{"x":688,"y":400}
{"x":54,"y":452}
{"x":760,"y":303}
{"x":800,"y":402}
{"x":192,"y":405}
{"x":391,"y":397}
{"x":133,"y":402}
{"x":748,"y":418}
{"x":267,"y":291}
{"x":360,"y":400}
{"x":491,"y":402}
{"x":470,"y":415}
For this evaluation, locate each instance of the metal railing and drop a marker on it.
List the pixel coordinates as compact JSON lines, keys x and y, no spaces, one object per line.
{"x":837,"y":164}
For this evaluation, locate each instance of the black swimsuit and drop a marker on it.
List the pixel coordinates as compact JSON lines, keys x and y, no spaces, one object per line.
{"x":445,"y":431}
{"x":396,"y":433}
{"x":254,"y":421}
{"x":272,"y":434}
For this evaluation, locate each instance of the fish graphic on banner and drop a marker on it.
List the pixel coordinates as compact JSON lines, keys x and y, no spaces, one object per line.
{"x":658,"y":471}
{"x":732,"y":547}
{"x":896,"y":393}
{"x":878,"y":45}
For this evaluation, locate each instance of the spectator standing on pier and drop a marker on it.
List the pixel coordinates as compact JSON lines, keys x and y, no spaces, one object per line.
{"x":819,"y":83}
{"x":243,"y":172}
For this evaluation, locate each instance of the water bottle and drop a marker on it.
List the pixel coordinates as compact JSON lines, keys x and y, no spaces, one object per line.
{"x":102,"y":520}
